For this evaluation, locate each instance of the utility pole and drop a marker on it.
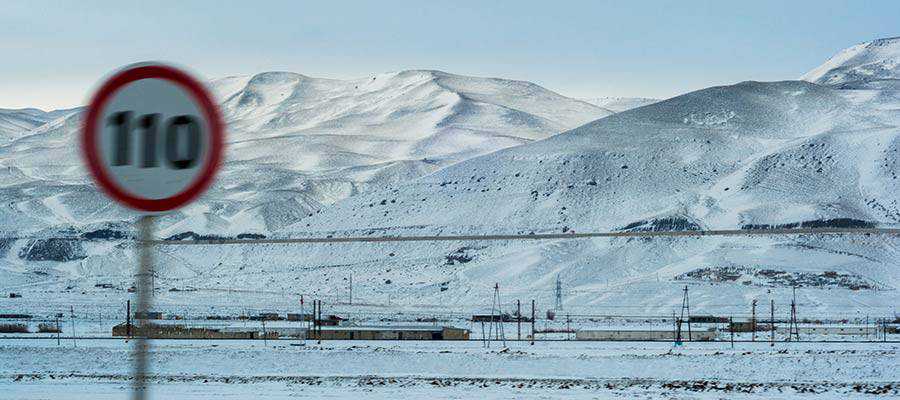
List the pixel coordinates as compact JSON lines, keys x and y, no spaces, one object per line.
{"x":128,"y":318}
{"x":484,"y":342}
{"x":686,"y":307}
{"x":491,"y":321}
{"x":72,"y":317}
{"x":772,"y":322}
{"x":319,"y":308}
{"x":314,"y":320}
{"x":57,"y":329}
{"x":518,"y":320}
{"x":753,"y":321}
{"x":558,"y":294}
{"x":731,"y":324}
{"x":794,"y":328}
{"x":532,"y":322}
{"x":676,"y":329}
{"x":351,"y":288}
{"x":303,"y":319}
{"x":498,"y":320}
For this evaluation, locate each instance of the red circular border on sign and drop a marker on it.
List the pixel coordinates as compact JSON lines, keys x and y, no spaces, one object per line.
{"x":200,"y":96}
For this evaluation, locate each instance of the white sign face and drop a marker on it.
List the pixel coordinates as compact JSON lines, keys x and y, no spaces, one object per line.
{"x":153,"y":138}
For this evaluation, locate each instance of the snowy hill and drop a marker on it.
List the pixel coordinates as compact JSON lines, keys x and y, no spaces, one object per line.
{"x":619,"y":104}
{"x":748,"y":155}
{"x":296,"y":144}
{"x":723,"y":157}
{"x":14,"y":123}
{"x":864,"y":65}
{"x":751,"y":154}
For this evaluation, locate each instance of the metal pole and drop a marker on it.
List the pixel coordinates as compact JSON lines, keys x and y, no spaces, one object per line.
{"x":72,"y":318}
{"x":351,"y":289}
{"x":483,"y":338}
{"x":772,"y":324}
{"x":518,"y":320}
{"x":674,"y":329}
{"x":144,"y":303}
{"x":128,"y":319}
{"x":532,"y":322}
{"x":319,"y":319}
{"x":492,"y":323}
{"x":57,"y":329}
{"x":687,"y":300}
{"x":731,"y":324}
{"x":303,"y":319}
{"x":753,"y":322}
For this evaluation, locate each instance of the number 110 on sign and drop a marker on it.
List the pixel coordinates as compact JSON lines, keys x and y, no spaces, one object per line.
{"x":180,"y":136}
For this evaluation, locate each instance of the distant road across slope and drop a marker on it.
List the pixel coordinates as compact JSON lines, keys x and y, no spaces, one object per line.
{"x":545,"y":236}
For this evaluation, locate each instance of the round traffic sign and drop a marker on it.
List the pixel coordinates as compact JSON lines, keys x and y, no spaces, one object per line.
{"x":152,"y":137}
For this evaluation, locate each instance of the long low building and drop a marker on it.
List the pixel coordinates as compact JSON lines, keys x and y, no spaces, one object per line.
{"x":389,"y":332}
{"x":173,"y":331}
{"x":649,"y":335}
{"x":176,"y":330}
{"x":854,"y":330}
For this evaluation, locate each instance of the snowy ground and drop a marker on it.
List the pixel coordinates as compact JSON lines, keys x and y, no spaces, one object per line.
{"x":342,"y":369}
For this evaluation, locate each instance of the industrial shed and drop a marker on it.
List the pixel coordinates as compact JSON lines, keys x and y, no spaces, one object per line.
{"x":172,"y":331}
{"x":649,"y":335}
{"x":389,"y":333}
{"x":856,"y":330}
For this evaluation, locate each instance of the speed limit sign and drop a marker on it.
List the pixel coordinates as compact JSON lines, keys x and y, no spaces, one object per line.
{"x":152,"y":137}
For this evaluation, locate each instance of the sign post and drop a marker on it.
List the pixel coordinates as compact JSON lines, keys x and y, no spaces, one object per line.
{"x":152,"y":140}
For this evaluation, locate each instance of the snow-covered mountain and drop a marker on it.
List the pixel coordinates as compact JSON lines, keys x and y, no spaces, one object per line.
{"x":619,"y":104}
{"x":754,"y":154}
{"x":871,"y":64}
{"x":790,"y":153}
{"x":14,"y":123}
{"x":748,"y":155}
{"x":296,"y":143}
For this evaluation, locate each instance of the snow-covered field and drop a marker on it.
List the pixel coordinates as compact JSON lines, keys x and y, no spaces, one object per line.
{"x":339,"y":369}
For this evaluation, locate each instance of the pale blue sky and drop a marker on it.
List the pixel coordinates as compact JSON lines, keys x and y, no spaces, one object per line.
{"x":54,"y":52}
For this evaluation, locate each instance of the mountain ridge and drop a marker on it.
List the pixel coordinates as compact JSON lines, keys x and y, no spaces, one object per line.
{"x":752,"y":154}
{"x":315,"y":140}
{"x":861,"y":65}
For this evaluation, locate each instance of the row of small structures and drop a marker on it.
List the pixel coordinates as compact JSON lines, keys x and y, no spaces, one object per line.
{"x":305,"y":326}
{"x":166,"y":330}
